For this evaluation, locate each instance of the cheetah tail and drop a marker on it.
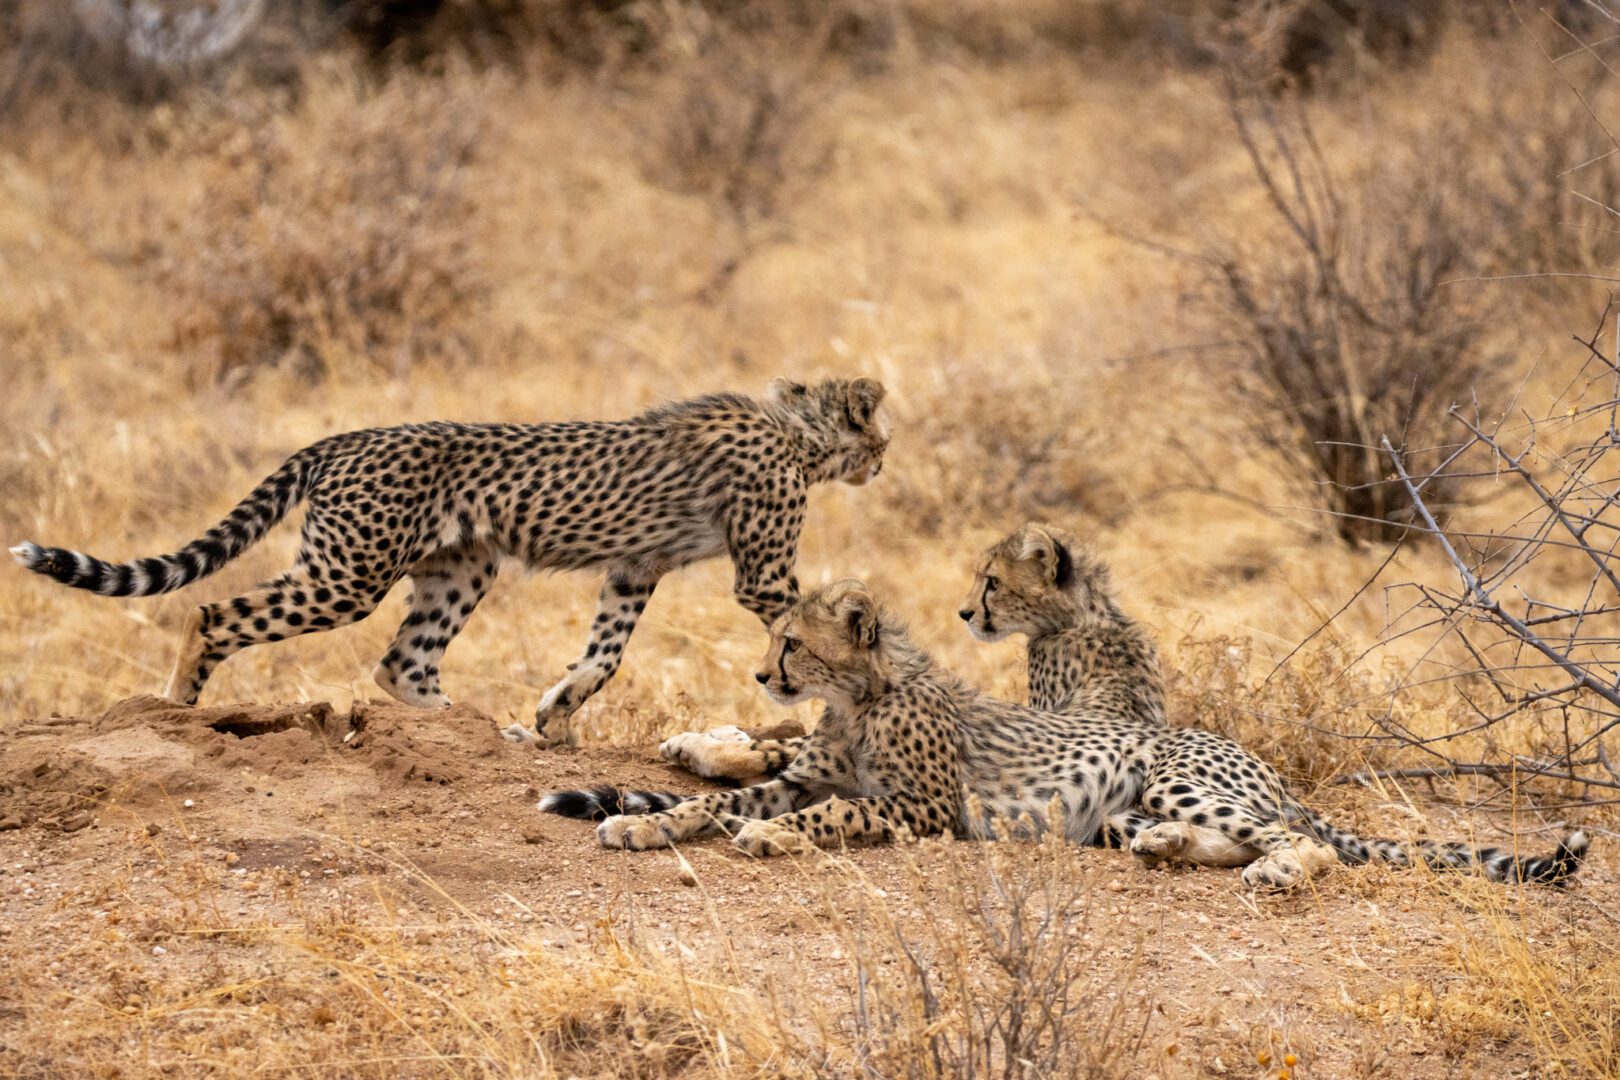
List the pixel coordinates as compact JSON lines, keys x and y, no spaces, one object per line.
{"x":1497,"y":864}
{"x":594,"y":804}
{"x":244,"y":526}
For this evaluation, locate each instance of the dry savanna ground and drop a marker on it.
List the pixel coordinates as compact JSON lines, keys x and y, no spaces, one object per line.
{"x":1018,"y":215}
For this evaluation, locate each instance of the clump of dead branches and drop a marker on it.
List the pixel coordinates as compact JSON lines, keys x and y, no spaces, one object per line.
{"x":1530,"y":632}
{"x":1343,"y":332}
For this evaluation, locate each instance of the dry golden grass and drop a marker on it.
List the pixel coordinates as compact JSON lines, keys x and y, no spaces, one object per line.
{"x":190,"y":290}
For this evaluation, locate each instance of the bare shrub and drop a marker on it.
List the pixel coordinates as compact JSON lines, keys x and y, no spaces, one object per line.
{"x":736,"y":124}
{"x":1549,"y":173}
{"x":353,"y":247}
{"x":1340,"y":322}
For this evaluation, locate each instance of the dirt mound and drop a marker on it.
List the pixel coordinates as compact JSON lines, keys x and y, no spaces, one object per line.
{"x":148,"y":750}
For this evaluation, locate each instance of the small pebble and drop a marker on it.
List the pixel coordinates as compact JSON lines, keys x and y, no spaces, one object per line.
{"x":158,"y":950}
{"x":188,"y":804}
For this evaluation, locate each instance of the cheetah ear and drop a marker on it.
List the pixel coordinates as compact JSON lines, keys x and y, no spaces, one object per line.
{"x":862,"y":400}
{"x":1041,"y":547}
{"x":856,"y":609}
{"x":783,"y":390}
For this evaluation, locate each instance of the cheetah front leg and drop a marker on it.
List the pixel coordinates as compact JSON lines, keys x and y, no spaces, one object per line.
{"x":622,"y":600}
{"x":763,"y":539}
{"x":702,"y":816}
{"x":839,"y":821}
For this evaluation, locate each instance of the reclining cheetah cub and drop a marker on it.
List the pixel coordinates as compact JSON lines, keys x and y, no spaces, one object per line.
{"x":903,"y":743}
{"x":1204,"y":798}
{"x":443,"y":503}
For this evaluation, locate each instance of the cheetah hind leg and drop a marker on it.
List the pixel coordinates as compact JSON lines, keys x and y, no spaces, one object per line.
{"x":287,"y":607}
{"x":445,"y":588}
{"x":623,"y":597}
{"x":185,"y":683}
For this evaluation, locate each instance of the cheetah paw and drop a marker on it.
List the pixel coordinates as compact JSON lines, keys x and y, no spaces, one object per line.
{"x":1277,"y":872}
{"x":407,"y":695}
{"x":1162,"y":842}
{"x":712,"y":754}
{"x":1288,"y":867}
{"x":637,"y":833}
{"x":551,"y":726}
{"x":765,"y":838}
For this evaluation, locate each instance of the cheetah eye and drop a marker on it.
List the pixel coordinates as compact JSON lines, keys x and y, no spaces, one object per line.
{"x":990,"y":584}
{"x":789,"y":644}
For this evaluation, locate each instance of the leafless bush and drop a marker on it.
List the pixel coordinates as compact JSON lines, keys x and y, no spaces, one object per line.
{"x":1529,"y":632}
{"x":354,"y":247}
{"x":1050,"y":1001}
{"x":1551,"y":173}
{"x":1341,"y":325}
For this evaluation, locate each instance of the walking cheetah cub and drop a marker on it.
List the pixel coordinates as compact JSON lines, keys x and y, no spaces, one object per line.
{"x":443,"y":503}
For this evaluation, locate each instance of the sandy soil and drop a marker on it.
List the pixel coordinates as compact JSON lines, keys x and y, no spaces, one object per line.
{"x":428,"y":819}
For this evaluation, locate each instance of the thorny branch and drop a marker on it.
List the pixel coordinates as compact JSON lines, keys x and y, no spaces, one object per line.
{"x":1543,"y":643}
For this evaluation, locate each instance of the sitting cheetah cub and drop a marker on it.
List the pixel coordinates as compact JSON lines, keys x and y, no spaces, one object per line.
{"x":443,"y":503}
{"x":1041,"y":582}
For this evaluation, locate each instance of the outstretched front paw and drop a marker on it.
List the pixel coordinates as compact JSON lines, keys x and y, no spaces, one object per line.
{"x":720,"y":753}
{"x":634,"y":832}
{"x":764,"y":838}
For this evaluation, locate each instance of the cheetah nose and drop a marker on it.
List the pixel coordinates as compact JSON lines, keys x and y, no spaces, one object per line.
{"x":762,"y":677}
{"x":966,"y":613}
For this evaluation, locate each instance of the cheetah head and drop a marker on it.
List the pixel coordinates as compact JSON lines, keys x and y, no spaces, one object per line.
{"x":830,"y":645}
{"x":1036,"y":581}
{"x":848,"y":417}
